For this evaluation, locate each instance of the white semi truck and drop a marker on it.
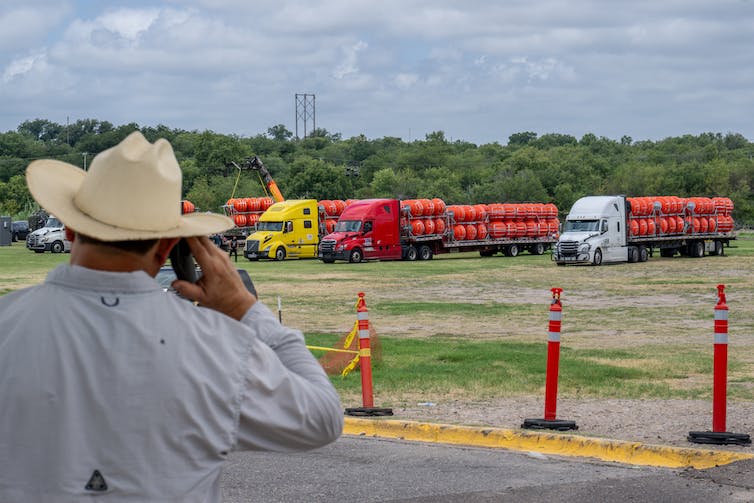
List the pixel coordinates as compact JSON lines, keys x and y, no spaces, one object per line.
{"x":50,"y":238}
{"x":601,"y":229}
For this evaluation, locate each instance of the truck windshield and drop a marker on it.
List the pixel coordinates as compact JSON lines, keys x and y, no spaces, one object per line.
{"x":582,"y":225}
{"x":348,"y":226}
{"x":270,"y":226}
{"x":53,"y":222}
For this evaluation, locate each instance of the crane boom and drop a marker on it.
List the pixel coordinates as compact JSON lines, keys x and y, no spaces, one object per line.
{"x":256,"y":164}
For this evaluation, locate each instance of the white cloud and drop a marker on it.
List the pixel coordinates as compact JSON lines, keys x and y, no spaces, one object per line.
{"x":349,"y":65}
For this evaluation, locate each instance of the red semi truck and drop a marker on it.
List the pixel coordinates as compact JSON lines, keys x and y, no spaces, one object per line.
{"x":389,"y":229}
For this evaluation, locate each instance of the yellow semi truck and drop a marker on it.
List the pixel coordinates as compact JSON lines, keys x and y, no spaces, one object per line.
{"x":288,"y":229}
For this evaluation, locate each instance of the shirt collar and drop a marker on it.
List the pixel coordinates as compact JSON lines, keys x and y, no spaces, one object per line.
{"x":102,"y":281}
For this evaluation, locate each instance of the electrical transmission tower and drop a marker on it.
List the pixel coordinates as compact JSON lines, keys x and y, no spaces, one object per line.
{"x":306,"y":112}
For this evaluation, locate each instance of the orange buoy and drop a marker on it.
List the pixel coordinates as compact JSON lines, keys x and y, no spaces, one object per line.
{"x":429,"y":226}
{"x":481,"y":231}
{"x":471,"y":232}
{"x":459,"y":232}
{"x":634,"y":227}
{"x":439,"y":205}
{"x":470,"y":213}
{"x":417,"y":227}
{"x":481,"y":211}
{"x":498,"y":229}
{"x":440,"y":225}
{"x":252,"y":219}
{"x":240,"y":220}
{"x":651,"y":227}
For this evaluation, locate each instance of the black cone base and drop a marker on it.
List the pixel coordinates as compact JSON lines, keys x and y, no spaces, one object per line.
{"x":368,"y":411}
{"x":718,"y":438}
{"x":549,"y":424}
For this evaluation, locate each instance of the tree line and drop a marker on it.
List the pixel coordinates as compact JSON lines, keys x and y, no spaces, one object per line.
{"x":557,"y":168}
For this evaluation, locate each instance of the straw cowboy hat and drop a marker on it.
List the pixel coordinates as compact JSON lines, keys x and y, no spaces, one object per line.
{"x":131,"y":191}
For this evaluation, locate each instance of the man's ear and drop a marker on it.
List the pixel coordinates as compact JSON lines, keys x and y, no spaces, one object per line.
{"x":163,"y":248}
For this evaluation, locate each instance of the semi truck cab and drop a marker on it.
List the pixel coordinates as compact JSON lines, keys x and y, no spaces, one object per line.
{"x":594,"y":231}
{"x":287,"y":229}
{"x":50,"y":238}
{"x":366,"y":230}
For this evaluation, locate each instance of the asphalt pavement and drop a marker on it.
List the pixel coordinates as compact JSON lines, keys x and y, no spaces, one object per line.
{"x":377,"y":469}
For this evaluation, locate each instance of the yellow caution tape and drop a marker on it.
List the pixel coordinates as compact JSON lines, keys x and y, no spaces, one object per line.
{"x":333,"y":349}
{"x":350,"y":366}
{"x":351,"y":335}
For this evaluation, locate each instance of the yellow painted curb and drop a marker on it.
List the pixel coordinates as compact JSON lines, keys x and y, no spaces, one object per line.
{"x":634,"y":453}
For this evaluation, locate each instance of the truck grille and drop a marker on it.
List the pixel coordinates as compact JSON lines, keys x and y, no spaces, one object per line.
{"x":31,"y":240}
{"x":327,"y":246}
{"x":568,"y":247}
{"x":252,"y":245}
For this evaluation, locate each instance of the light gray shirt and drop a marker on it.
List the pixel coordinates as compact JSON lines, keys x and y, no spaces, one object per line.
{"x":113,"y":390}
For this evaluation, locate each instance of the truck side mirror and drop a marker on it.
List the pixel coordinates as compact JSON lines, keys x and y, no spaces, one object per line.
{"x":289,"y":226}
{"x":604,"y":226}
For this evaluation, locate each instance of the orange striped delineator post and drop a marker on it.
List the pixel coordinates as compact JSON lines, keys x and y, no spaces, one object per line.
{"x":365,"y":366}
{"x":718,"y":435}
{"x":551,"y":378}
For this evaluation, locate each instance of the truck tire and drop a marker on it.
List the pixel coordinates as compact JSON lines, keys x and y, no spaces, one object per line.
{"x":411,"y":253}
{"x":280,"y":253}
{"x":643,"y":254}
{"x":633,"y":254}
{"x":425,"y":252}
{"x":696,"y":249}
{"x":57,"y":247}
{"x":537,"y":249}
{"x":511,"y":250}
{"x":355,"y":256}
{"x":718,"y":248}
{"x":597,"y":260}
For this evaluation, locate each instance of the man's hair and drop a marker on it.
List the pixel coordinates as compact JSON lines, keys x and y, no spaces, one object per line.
{"x":136,"y":246}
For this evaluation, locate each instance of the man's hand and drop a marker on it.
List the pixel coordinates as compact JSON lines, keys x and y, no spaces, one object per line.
{"x":220,"y":287}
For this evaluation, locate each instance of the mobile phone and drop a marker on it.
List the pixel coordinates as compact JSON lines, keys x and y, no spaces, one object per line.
{"x":185,"y":268}
{"x":183,"y":262}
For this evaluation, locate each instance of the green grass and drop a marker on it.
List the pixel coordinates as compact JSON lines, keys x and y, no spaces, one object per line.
{"x":438,"y":366}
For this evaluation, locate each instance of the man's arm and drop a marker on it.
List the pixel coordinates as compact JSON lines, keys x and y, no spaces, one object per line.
{"x":289,"y":402}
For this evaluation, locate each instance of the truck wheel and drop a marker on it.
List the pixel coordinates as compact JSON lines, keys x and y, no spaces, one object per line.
{"x":718,"y":248}
{"x":643,"y":254}
{"x":57,"y":247}
{"x":537,"y":249}
{"x":597,"y":257}
{"x":697,"y":249}
{"x":633,"y":254}
{"x":425,"y":252}
{"x":412,"y":253}
{"x":280,"y":253}
{"x":512,"y":250}
{"x":355,"y":256}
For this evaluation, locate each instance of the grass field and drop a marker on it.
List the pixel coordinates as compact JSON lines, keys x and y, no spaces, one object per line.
{"x":475,"y":328}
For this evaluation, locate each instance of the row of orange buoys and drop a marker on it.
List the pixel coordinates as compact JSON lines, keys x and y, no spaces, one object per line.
{"x":423,"y":207}
{"x":529,"y":228}
{"x":675,"y":224}
{"x":674,"y":205}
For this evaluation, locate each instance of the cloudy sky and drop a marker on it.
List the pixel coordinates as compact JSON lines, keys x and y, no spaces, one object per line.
{"x":479,"y":70}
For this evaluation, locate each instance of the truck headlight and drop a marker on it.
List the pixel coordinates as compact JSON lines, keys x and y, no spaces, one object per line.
{"x":584,"y":248}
